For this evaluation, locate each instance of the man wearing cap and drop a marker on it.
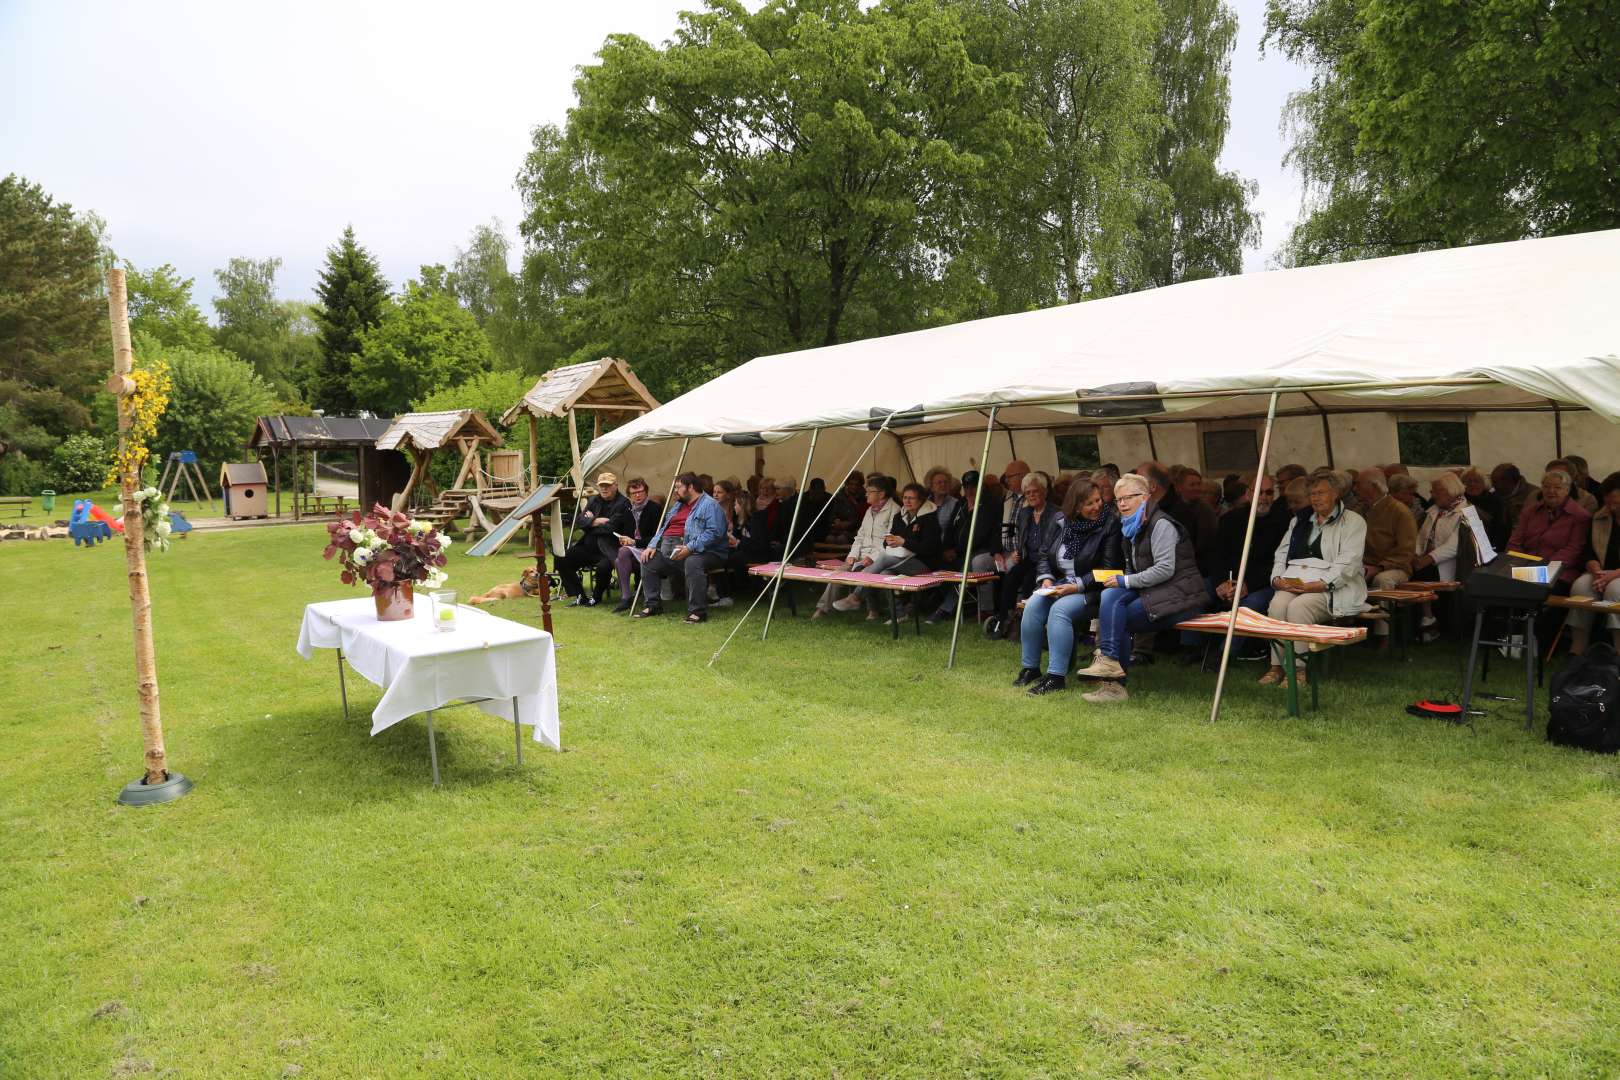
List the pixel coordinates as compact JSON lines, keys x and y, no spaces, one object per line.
{"x":602,"y":517}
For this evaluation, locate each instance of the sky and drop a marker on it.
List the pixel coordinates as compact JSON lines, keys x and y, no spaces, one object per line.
{"x":206,"y":130}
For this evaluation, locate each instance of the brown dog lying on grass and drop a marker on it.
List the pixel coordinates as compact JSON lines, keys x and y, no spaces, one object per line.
{"x":527,"y":585}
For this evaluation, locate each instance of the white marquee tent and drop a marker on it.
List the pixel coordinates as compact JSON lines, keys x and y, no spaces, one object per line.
{"x":1528,"y":326}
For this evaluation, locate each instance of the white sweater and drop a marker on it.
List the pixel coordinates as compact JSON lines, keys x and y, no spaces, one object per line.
{"x":874,"y":527}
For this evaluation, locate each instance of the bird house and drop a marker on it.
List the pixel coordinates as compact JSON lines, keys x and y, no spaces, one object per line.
{"x":244,"y":483}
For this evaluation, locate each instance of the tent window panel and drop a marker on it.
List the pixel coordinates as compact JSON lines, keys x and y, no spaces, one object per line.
{"x":1077,"y":452}
{"x":1230,"y":451}
{"x":1433,"y":443}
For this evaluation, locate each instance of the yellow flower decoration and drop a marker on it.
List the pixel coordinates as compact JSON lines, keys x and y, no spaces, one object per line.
{"x":153,"y":386}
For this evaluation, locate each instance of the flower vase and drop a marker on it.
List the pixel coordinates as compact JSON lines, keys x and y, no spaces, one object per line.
{"x":394,"y":604}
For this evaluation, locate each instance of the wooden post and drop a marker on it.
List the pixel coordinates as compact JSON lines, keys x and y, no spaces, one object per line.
{"x":576,"y":470}
{"x":121,"y":385}
{"x":534,"y":456}
{"x":536,"y":539}
{"x":275,"y":464}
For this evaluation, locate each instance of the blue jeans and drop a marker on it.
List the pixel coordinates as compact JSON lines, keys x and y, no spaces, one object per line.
{"x":1123,"y":614}
{"x":1055,"y":624}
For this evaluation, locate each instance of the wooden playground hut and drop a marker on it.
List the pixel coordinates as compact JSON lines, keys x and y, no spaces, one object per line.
{"x":381,"y":474}
{"x":605,"y":388}
{"x":420,"y":435}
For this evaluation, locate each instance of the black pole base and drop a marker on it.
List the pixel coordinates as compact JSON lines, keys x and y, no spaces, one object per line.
{"x":140,"y":793}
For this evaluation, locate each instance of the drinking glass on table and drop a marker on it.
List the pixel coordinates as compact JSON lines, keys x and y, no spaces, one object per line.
{"x":444,"y":610}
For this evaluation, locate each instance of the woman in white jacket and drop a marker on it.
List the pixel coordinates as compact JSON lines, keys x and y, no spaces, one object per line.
{"x":868,"y":543}
{"x":1317,"y":571}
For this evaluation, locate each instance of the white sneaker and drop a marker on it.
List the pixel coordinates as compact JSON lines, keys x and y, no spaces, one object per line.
{"x":848,"y":603}
{"x":714,"y":594}
{"x":724,"y":601}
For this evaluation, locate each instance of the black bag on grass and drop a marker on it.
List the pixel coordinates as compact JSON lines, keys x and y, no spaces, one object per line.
{"x":1584,"y":709}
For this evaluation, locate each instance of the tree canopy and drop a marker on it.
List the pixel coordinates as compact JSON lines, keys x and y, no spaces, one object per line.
{"x":352,"y":294}
{"x":160,"y":306}
{"x":425,"y":342}
{"x":1438,"y":125}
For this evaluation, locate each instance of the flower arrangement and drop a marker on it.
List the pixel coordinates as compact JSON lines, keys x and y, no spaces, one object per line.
{"x":155,"y":524}
{"x":387,"y":550}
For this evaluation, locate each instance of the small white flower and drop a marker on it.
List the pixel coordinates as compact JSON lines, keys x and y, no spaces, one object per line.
{"x":376,"y":543}
{"x":362,"y":556}
{"x":164,"y":528}
{"x":444,"y":541}
{"x":357,"y":536}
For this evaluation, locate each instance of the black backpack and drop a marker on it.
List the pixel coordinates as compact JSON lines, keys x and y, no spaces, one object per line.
{"x":1584,"y":709}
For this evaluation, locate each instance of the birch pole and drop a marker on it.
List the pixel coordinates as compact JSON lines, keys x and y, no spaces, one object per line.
{"x":121,"y":385}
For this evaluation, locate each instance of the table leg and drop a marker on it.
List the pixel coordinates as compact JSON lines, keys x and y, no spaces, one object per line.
{"x":343,"y":686}
{"x":894,"y":614}
{"x":1313,"y":669}
{"x":916,"y":613}
{"x":517,"y":732}
{"x":1293,"y":678}
{"x":433,"y":749}
{"x":1468,"y":673}
{"x":1405,"y":630}
{"x":1530,"y":671}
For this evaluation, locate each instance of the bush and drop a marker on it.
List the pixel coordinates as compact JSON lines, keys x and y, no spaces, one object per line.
{"x":215,"y":402}
{"x":80,"y":463}
{"x":22,"y":476}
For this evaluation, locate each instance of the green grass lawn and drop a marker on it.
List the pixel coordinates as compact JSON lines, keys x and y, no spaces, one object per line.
{"x":824,"y":856}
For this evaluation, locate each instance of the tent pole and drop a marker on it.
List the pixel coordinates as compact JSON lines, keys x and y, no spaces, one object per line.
{"x":973,"y":524}
{"x":1243,"y":563}
{"x":1327,"y":432}
{"x":1558,"y":429}
{"x":1153,"y":449}
{"x":905,"y":456}
{"x":686,"y":444}
{"x":793,"y":524}
{"x":787,"y":555}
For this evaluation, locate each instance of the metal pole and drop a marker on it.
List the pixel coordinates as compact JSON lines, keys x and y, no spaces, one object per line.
{"x":973,"y":524}
{"x":342,"y":688}
{"x":1243,"y":569}
{"x":788,"y":554}
{"x":517,"y":732}
{"x":686,"y":444}
{"x":793,"y":525}
{"x":433,"y":749}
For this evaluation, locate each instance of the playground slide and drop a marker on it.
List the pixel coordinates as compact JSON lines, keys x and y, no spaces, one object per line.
{"x":96,"y":512}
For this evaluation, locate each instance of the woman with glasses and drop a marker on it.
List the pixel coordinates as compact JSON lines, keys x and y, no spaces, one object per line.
{"x":1068,"y":594}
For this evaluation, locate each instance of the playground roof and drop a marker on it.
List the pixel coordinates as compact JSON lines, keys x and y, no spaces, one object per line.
{"x":607,"y":386}
{"x":431,"y":430}
{"x":317,"y":432}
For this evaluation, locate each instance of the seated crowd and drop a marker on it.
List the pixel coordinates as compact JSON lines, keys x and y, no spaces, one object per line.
{"x":1112,"y":558}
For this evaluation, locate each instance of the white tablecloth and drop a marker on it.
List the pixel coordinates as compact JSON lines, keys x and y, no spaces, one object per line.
{"x":420,"y":668}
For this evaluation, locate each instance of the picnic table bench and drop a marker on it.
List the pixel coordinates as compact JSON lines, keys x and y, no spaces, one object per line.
{"x":893,"y":584}
{"x":325,"y":504}
{"x":1317,"y":637}
{"x":19,"y":504}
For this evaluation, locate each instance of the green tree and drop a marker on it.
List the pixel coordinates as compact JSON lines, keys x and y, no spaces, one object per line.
{"x":160,"y":306}
{"x":1195,"y":220}
{"x":352,"y":295}
{"x":771,"y":180}
{"x":485,"y":285}
{"x":54,"y":347}
{"x":252,"y":323}
{"x":216,"y":400}
{"x":424,"y":343}
{"x":1437,"y":125}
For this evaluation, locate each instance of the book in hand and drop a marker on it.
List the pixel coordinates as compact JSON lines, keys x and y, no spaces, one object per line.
{"x":1294,"y":583}
{"x":1104,"y":576}
{"x":1045,"y":590}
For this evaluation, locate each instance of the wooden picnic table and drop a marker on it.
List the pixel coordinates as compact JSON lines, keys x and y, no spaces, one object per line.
{"x":893,"y":584}
{"x":1317,"y":637}
{"x":324,"y":504}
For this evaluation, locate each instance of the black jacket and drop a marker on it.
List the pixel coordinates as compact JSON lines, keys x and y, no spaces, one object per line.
{"x":986,"y":535}
{"x":652,"y":512}
{"x":1269,"y":529}
{"x":621,"y":519}
{"x":921,"y":535}
{"x":1030,"y":537}
{"x":1100,"y":549}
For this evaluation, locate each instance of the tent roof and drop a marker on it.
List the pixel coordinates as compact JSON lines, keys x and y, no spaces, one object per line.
{"x":317,"y":432}
{"x":606,"y":385}
{"x":431,"y":430}
{"x":1514,"y":325}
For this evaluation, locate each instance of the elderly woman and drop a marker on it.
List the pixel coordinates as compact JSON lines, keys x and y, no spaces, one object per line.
{"x":1554,"y":527}
{"x":1161,"y":586}
{"x":1317,"y":571}
{"x":1296,"y":493}
{"x":1491,"y":507}
{"x":867,"y":545}
{"x":1600,"y":566}
{"x":1034,"y":526}
{"x":911,"y":546}
{"x":1068,"y":594}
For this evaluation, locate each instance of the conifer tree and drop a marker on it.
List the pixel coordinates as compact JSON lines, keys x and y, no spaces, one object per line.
{"x":352,"y":293}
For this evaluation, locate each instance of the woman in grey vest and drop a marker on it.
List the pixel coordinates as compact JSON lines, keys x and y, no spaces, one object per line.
{"x":1161,"y":586}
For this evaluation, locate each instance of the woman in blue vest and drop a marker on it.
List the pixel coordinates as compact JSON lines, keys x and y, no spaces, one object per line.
{"x":1068,"y":594}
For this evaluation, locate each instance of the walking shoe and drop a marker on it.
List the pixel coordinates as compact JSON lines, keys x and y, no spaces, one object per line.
{"x":1107,"y":693}
{"x":1102,"y":667}
{"x":1273,"y":676}
{"x":649,"y":611}
{"x":623,"y":606}
{"x":848,"y":603}
{"x":582,"y":601}
{"x":724,"y":601}
{"x":1049,"y":684}
{"x":1026,"y":676}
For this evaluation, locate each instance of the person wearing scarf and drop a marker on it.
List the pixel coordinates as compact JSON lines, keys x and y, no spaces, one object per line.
{"x":1318,"y":571}
{"x":646,"y":513}
{"x":1067,"y":594}
{"x":1160,"y":587}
